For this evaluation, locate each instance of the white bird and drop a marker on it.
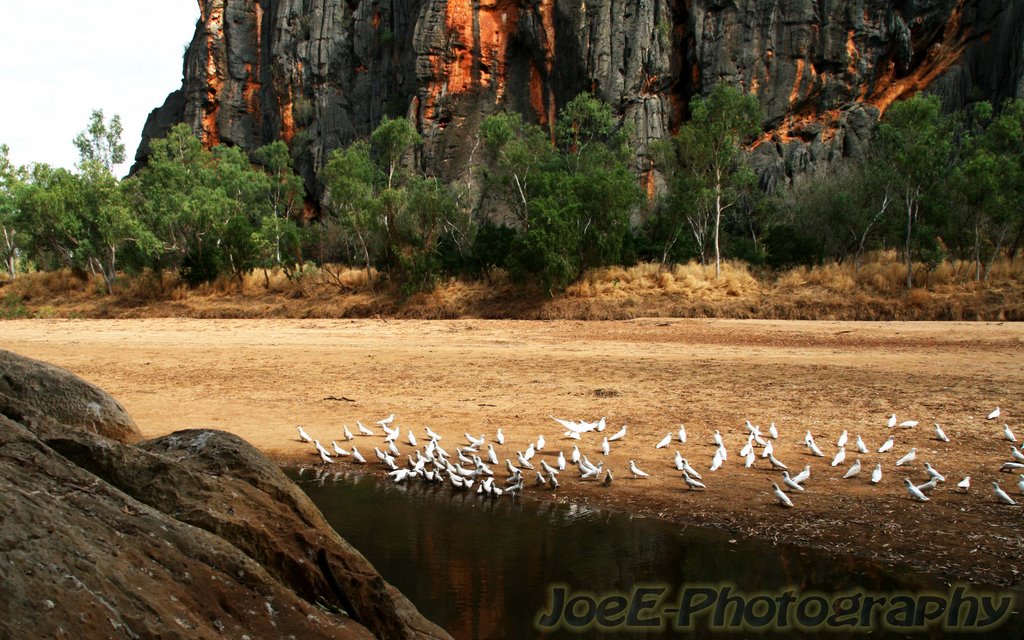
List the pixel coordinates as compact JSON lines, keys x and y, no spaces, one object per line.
{"x":1012,"y":467}
{"x":605,"y":447}
{"x":808,"y":438}
{"x":561,"y":461}
{"x":803,"y":475}
{"x":782,"y":497}
{"x":679,"y":461}
{"x":399,"y":475}
{"x":915,"y":493}
{"x":575,"y":456}
{"x":320,"y":448}
{"x":492,"y":455}
{"x":933,"y":472}
{"x":682,"y":434}
{"x":843,"y":437}
{"x":748,"y":462}
{"x":773,"y":432}
{"x":789,"y":482}
{"x":548,"y":469}
{"x":664,"y":442}
{"x":876,"y":475}
{"x":380,"y":454}
{"x":1008,"y":434}
{"x":1016,"y":455}
{"x":724,"y":453}
{"x":358,"y":457}
{"x":909,"y":423}
{"x":777,"y":463}
{"x":814,"y":449}
{"x":747,"y":448}
{"x":1001,"y":495}
{"x":940,"y":434}
{"x":431,"y":434}
{"x":637,"y":473}
{"x":387,"y":421}
{"x":618,"y":435}
{"x":392,"y":449}
{"x":303,"y":436}
{"x":1020,"y":483}
{"x":839,"y":457}
{"x":540,"y":443}
{"x":348,"y":434}
{"x":687,"y":469}
{"x":363,"y":430}
{"x":338,"y":450}
{"x":995,"y":414}
{"x":892,"y":421}
{"x":911,"y":455}
{"x":888,"y":444}
{"x":768,"y":450}
{"x":593,"y":472}
{"x":553,"y":482}
{"x":530,"y":452}
{"x":474,"y":442}
{"x":965,"y":484}
{"x":411,"y":439}
{"x":326,"y":457}
{"x":572,"y":435}
{"x":928,"y":486}
{"x":523,"y":462}
{"x":390,"y":435}
{"x":500,"y":437}
{"x":861,"y":447}
{"x":693,"y":483}
{"x":718,"y":438}
{"x":716,"y":462}
{"x":853,"y":470}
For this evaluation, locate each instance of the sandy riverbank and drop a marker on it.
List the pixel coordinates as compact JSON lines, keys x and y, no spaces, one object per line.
{"x":260,"y":378}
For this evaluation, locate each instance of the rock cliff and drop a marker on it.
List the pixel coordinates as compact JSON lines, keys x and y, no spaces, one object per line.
{"x":319,"y":73}
{"x":193,"y":535}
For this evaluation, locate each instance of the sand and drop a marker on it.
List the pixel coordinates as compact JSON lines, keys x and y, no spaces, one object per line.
{"x":261,"y":378}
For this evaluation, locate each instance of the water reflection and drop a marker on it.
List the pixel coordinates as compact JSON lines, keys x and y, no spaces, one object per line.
{"x":481,"y":568}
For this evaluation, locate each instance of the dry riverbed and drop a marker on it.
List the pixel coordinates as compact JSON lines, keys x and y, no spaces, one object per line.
{"x":261,"y":378}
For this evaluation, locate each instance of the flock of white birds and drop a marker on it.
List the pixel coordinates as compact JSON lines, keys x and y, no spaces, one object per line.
{"x":471,"y":467}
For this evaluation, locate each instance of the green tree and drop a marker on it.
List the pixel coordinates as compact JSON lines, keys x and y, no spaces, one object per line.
{"x":709,"y":152}
{"x":100,"y":143}
{"x":914,"y":143}
{"x":285,"y":192}
{"x":11,"y":179}
{"x":390,"y":141}
{"x":349,"y":177}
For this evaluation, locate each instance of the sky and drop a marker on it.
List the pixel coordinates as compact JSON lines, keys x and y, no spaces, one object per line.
{"x":60,"y":60}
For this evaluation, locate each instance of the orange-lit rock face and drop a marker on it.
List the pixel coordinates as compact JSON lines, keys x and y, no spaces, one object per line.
{"x":214,"y":21}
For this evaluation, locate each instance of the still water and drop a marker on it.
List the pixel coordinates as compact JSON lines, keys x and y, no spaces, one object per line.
{"x":487,"y":569}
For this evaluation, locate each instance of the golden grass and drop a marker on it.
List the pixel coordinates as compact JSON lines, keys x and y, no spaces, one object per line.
{"x":875,"y":290}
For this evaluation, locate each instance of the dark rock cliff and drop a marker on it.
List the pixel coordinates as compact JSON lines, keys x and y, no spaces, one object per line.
{"x":319,"y":73}
{"x":193,"y":535}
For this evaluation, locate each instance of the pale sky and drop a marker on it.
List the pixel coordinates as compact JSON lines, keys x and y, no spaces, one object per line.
{"x":61,"y":59}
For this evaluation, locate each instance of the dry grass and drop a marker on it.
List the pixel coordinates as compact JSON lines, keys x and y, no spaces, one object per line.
{"x":876,"y":290}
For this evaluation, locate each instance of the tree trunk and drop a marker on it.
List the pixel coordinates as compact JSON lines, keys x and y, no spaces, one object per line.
{"x":718,"y":221}
{"x":909,"y":255}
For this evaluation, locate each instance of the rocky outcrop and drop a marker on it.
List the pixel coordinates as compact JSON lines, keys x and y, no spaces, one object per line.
{"x":64,"y":397}
{"x":192,"y":535}
{"x":320,"y":73}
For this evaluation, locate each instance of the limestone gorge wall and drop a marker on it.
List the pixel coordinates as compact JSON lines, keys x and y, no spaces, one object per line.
{"x":320,"y":73}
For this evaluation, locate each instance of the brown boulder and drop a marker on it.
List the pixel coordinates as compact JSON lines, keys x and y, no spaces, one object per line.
{"x":64,"y":397}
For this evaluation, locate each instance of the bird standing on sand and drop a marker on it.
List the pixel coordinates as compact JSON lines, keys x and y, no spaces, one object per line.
{"x":693,"y":483}
{"x":605,"y":447}
{"x":940,"y":434}
{"x":716,"y":461}
{"x":618,"y":435}
{"x":839,"y":457}
{"x":965,"y":484}
{"x":664,"y":442}
{"x":843,"y":437}
{"x":814,"y":448}
{"x":561,"y":461}
{"x":876,"y":475}
{"x":887,"y":445}
{"x":718,"y":438}
{"x":607,"y":482}
{"x":682,"y":434}
{"x":786,"y":480}
{"x":933,"y":472}
{"x":995,"y":414}
{"x":386,"y":422}
{"x":803,"y":475}
{"x":303,"y":436}
{"x":1020,"y":483}
{"x":777,"y":463}
{"x":861,"y":447}
{"x":892,"y":421}
{"x":1008,"y":434}
{"x":363,"y":430}
{"x":910,"y":457}
{"x":853,"y":470}
{"x":773,"y":432}
{"x":358,"y":457}
{"x":1001,"y":495}
{"x":575,"y":457}
{"x":637,"y":473}
{"x":915,"y":493}
{"x":325,"y":457}
{"x":540,"y":443}
{"x":338,"y":450}
{"x":348,"y":434}
{"x":500,"y":437}
{"x":782,"y":497}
